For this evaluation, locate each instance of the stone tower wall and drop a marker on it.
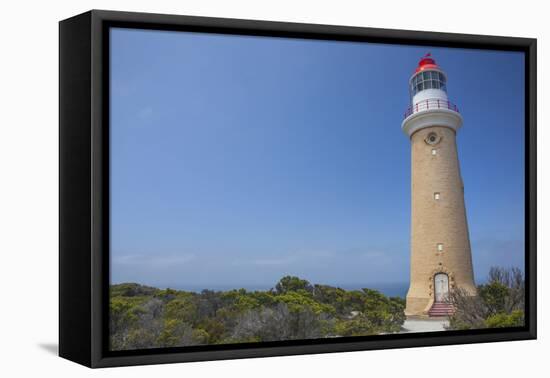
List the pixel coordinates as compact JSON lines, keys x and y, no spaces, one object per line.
{"x":437,"y":221}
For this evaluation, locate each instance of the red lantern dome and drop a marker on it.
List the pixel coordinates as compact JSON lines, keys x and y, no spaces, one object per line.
{"x":426,"y":63}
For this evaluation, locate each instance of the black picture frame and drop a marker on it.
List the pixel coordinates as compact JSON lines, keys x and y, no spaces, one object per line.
{"x":84,"y":187}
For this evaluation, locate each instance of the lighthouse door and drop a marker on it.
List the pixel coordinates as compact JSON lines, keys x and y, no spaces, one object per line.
{"x":441,"y":281}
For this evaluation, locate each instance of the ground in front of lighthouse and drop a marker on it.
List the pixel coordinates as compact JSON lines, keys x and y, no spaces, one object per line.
{"x":424,"y":325}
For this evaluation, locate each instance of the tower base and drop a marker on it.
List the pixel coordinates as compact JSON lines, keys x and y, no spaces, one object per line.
{"x":418,"y":306}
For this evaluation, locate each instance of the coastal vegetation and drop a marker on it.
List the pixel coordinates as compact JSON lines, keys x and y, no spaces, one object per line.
{"x":499,"y":303}
{"x":147,"y":317}
{"x":144,"y":317}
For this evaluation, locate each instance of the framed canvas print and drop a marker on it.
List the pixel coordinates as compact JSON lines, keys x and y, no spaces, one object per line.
{"x":234,"y":188}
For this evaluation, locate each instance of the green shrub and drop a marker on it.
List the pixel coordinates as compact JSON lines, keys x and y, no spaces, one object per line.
{"x":515,"y":319}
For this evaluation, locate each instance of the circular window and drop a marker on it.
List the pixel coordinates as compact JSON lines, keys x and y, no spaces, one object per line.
{"x":432,"y":138}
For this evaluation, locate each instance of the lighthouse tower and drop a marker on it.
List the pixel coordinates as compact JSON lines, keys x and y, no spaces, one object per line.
{"x":441,"y":258}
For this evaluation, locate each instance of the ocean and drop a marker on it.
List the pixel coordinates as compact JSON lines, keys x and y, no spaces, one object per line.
{"x":388,"y":289}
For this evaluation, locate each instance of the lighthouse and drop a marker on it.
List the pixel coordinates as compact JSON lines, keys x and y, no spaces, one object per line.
{"x":441,"y":258}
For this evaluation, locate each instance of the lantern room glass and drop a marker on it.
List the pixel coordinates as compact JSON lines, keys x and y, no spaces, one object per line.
{"x":428,"y":80}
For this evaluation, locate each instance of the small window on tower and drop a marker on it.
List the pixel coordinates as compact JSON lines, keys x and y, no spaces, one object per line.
{"x":434,"y":151}
{"x":439,"y":247}
{"x":437,"y":196}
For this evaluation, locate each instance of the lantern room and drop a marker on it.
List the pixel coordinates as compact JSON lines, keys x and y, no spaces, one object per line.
{"x":428,"y":81}
{"x":430,"y":105}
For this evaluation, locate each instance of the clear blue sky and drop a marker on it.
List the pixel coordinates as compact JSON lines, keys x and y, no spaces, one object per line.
{"x":236,"y":160}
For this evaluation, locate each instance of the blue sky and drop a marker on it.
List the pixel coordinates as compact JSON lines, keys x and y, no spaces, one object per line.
{"x":236,"y":160}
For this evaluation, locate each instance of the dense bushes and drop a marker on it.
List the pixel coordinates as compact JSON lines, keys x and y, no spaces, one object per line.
{"x":145,"y":317}
{"x":499,"y":303}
